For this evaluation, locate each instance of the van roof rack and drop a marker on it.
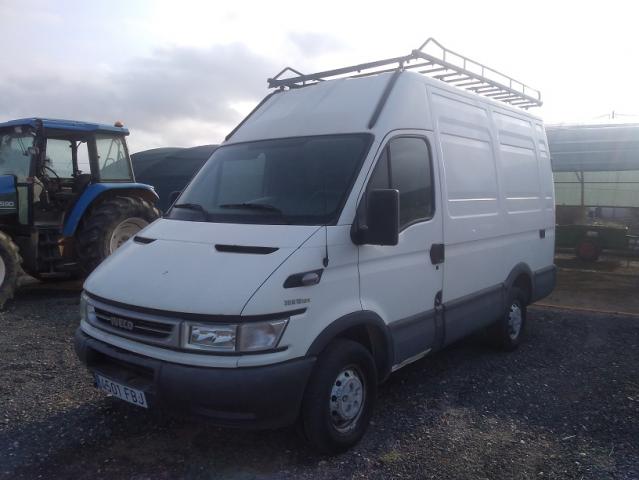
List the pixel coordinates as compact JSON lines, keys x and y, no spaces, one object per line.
{"x":436,"y":61}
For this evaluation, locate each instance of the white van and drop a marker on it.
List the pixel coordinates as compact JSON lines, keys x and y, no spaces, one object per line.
{"x":346,"y":228}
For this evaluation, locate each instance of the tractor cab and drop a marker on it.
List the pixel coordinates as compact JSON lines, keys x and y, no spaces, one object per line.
{"x":55,"y":177}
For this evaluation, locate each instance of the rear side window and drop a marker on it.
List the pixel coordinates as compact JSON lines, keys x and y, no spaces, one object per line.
{"x":405,"y":165}
{"x":113,"y":160}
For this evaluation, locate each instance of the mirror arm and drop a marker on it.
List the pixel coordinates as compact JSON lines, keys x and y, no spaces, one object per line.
{"x":358,"y":231}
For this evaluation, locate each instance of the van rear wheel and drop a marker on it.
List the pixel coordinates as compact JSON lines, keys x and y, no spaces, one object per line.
{"x":507,"y":333}
{"x":339,"y":399}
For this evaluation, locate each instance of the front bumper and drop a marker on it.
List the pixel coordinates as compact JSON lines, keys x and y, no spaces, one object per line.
{"x":256,"y":397}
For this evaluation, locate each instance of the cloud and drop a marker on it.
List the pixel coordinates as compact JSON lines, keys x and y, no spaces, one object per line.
{"x":170,"y":96}
{"x":313,"y":44}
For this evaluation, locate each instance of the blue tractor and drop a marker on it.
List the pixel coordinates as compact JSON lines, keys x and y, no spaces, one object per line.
{"x":68,"y":198}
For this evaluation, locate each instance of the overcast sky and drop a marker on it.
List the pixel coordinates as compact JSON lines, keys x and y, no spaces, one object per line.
{"x":183,"y":73}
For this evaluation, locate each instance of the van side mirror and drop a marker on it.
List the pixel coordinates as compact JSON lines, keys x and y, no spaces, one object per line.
{"x":173,"y":196}
{"x":381,"y":225}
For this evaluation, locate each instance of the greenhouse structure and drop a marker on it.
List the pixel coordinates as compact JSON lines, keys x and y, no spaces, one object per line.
{"x":596,"y":172}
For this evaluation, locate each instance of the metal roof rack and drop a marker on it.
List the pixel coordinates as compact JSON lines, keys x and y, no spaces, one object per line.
{"x":436,"y":61}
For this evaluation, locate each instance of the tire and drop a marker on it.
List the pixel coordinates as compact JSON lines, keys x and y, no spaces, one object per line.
{"x":508,"y":332}
{"x":108,"y":225}
{"x":344,"y":379}
{"x":587,"y":250}
{"x":10,"y":268}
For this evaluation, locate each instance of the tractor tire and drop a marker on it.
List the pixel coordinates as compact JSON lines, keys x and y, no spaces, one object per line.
{"x":108,"y":225}
{"x":10,"y":268}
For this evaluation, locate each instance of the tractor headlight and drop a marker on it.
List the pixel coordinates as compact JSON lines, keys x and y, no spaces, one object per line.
{"x":246,"y":337}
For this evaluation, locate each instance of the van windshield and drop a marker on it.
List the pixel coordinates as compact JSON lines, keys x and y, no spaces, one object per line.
{"x":299,"y":181}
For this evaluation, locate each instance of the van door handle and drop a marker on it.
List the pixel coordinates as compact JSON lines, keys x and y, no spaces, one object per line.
{"x":437,"y":253}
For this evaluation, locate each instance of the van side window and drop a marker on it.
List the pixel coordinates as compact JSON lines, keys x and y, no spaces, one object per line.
{"x":405,"y":165}
{"x":380,"y":177}
{"x":411,"y":175}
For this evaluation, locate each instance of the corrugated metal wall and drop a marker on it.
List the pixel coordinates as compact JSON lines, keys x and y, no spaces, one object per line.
{"x":595,"y":165}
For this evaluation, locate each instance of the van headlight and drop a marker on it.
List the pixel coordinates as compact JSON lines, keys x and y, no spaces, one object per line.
{"x":212,"y":337}
{"x":245,"y":337}
{"x":84,"y":307}
{"x":261,"y":335}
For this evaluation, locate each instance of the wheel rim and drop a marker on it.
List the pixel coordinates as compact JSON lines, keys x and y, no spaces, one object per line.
{"x":514,"y":321}
{"x":3,"y":270}
{"x":125,"y":230}
{"x":347,"y":399}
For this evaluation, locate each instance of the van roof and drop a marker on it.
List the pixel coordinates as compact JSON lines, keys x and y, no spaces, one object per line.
{"x":355,"y":98}
{"x":347,"y":105}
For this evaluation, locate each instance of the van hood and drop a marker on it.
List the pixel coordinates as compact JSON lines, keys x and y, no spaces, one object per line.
{"x":195,"y":267}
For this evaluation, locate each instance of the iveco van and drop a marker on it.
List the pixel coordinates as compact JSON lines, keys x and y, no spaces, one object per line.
{"x":347,"y":227}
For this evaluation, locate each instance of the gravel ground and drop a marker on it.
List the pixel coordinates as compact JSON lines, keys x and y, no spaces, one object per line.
{"x":565,"y":405}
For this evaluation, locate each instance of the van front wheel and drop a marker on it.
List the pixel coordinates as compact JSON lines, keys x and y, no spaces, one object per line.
{"x":339,"y":399}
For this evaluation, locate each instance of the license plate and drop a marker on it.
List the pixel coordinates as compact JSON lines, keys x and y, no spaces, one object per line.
{"x":128,"y":394}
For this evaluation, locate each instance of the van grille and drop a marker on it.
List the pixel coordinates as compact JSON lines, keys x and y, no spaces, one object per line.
{"x":143,"y":327}
{"x":133,"y":325}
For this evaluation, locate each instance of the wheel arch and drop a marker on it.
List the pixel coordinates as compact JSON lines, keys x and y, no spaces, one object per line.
{"x":99,"y":192}
{"x":521,"y":276}
{"x":366,"y":328}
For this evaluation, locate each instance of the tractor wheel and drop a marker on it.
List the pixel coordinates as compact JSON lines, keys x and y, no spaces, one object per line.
{"x":10,"y":268}
{"x":109,"y":225}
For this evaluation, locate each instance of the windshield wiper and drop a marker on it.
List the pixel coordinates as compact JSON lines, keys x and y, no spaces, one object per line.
{"x":253,"y":206}
{"x":193,"y":206}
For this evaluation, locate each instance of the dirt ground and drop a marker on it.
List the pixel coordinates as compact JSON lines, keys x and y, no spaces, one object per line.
{"x":610,"y":284}
{"x":564,"y":405}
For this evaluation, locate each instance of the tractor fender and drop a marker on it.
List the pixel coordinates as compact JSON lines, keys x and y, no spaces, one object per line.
{"x":97,"y":190}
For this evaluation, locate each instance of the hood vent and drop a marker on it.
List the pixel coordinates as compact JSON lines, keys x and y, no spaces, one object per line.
{"x":145,"y":240}
{"x":245,"y":249}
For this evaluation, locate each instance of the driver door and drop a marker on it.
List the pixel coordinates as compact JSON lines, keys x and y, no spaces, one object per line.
{"x":402,"y":283}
